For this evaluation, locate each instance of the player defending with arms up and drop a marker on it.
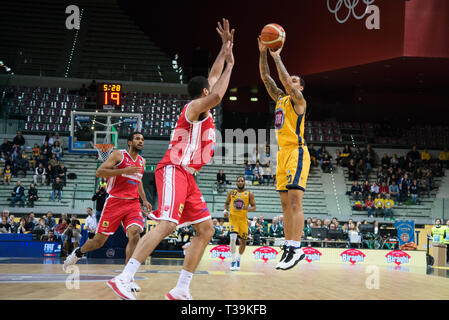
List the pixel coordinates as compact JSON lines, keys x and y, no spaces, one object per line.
{"x":240,"y":200}
{"x":180,"y":200}
{"x":293,"y":160}
{"x":124,"y":170}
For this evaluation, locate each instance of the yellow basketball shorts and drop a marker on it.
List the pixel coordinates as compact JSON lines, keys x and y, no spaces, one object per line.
{"x":293,"y":165}
{"x":239,"y":225}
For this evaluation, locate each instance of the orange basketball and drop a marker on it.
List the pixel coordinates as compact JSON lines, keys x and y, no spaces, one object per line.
{"x":272,"y":36}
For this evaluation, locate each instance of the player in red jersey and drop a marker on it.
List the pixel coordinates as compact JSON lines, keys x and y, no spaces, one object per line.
{"x":124,"y":170}
{"x":180,"y":200}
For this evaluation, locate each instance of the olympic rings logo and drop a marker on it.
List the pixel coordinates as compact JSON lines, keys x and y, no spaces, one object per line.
{"x":350,"y":6}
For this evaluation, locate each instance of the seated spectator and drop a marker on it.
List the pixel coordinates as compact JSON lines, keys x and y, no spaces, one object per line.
{"x":54,"y":162}
{"x":74,"y":219}
{"x":394,"y":190}
{"x":50,"y":221}
{"x":20,"y":165}
{"x":39,"y":174}
{"x":383,"y":189}
{"x":62,"y":173}
{"x":352,"y":171}
{"x":48,"y":139}
{"x":266,"y":156}
{"x":326,"y":163}
{"x":345,"y":155}
{"x":57,"y":150}
{"x":312,"y":153}
{"x":32,"y":195}
{"x":35,"y":153}
{"x":366,"y":189}
{"x":60,"y":228}
{"x":42,"y":160}
{"x":22,"y":226}
{"x":326,"y":224}
{"x":275,"y":230}
{"x":388,"y":207}
{"x":374,"y":190}
{"x":369,"y":205}
{"x":31,"y":218}
{"x":385,"y":161}
{"x":51,"y":174}
{"x":257,"y":233}
{"x":338,"y":157}
{"x":14,"y":225}
{"x":40,"y":229}
{"x":267,"y":173}
{"x":413,"y":155}
{"x":257,"y":174}
{"x":357,"y":154}
{"x":5,"y":148}
{"x":379,"y":207}
{"x":5,"y":227}
{"x":50,"y":237}
{"x":403,"y":189}
{"x":414,"y":191}
{"x":185,"y":231}
{"x":254,"y":157}
{"x":46,"y":151}
{"x":19,"y":140}
{"x":221,"y":181}
{"x":15,"y":152}
{"x":220,"y":234}
{"x":56,"y":190}
{"x":18,"y":194}
{"x":403,"y":161}
{"x":281,"y":220}
{"x":249,"y":172}
{"x":72,"y":237}
{"x":356,"y":191}
{"x":7,"y":174}
{"x":360,"y":168}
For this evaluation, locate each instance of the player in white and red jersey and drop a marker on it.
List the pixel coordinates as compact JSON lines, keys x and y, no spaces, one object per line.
{"x":180,"y":200}
{"x":124,"y":170}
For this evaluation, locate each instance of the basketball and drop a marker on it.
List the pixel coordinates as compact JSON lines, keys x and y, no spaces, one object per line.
{"x":272,"y":36}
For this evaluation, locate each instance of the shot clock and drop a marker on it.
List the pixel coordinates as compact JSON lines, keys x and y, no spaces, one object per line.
{"x":109,"y":95}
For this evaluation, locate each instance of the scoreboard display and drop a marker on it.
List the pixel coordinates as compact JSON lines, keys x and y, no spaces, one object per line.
{"x":109,"y":95}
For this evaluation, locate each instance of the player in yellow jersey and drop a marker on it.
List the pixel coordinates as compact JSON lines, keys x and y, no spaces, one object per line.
{"x":293,"y":159}
{"x":238,"y":202}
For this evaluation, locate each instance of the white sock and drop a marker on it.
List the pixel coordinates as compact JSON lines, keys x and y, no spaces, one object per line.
{"x":131,"y":268}
{"x":292,"y":243}
{"x":237,"y":257}
{"x":184,"y":280}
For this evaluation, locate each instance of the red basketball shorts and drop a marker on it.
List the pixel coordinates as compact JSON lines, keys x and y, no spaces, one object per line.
{"x":179,"y":198}
{"x":116,"y":211}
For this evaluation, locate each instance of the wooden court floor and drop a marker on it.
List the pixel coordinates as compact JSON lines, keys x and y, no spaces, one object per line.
{"x":255,"y":281}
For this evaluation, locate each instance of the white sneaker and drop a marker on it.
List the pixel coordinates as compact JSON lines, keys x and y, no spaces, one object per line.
{"x":293,"y":256}
{"x":121,"y":285}
{"x":237,"y":265}
{"x":135,"y":287}
{"x":233,"y":266}
{"x":71,"y":260}
{"x":177,"y":294}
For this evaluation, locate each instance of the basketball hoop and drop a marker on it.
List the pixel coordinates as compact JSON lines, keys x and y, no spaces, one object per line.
{"x":104,"y":150}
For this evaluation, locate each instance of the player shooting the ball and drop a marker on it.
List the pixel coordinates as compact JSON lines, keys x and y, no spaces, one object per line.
{"x":293,"y":160}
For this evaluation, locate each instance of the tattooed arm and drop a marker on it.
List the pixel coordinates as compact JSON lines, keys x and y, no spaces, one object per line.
{"x":289,"y":82}
{"x":264,"y":69}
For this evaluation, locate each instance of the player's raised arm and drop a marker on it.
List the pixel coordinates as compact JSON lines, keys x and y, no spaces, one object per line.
{"x":207,"y":102}
{"x":288,"y":83}
{"x":107,"y":168}
{"x":264,"y":70}
{"x":217,"y":68}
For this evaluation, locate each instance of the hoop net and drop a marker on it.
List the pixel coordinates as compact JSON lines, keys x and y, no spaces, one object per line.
{"x":104,"y":150}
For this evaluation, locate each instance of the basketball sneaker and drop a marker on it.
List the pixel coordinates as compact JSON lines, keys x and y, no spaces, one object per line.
{"x":293,"y":256}
{"x":233,"y":266}
{"x":135,"y":287}
{"x":177,"y":294}
{"x":121,"y":285}
{"x":237,"y":265}
{"x":72,"y":259}
{"x":284,"y":255}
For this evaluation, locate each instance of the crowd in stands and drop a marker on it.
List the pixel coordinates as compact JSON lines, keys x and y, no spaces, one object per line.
{"x":44,"y":163}
{"x":399,"y":180}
